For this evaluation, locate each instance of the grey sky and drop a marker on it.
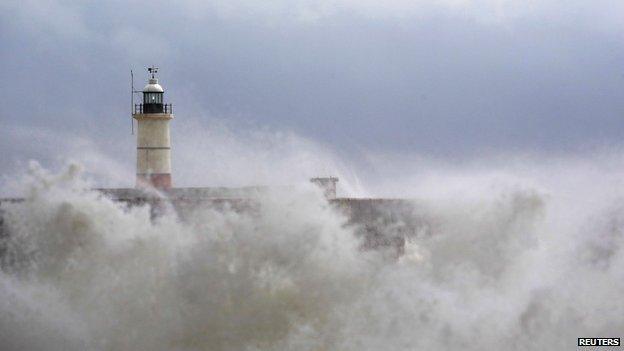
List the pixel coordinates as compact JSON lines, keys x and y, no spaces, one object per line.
{"x":445,"y":78}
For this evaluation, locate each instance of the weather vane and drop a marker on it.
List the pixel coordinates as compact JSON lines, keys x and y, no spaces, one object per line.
{"x":153,"y":70}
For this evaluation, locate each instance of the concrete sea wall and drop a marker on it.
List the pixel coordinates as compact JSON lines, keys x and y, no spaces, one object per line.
{"x":382,"y":224}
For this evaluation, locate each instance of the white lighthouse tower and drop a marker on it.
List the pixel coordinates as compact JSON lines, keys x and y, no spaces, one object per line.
{"x":153,"y":140}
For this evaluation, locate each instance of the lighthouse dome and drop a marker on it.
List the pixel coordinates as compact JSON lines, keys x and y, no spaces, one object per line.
{"x":153,"y":87}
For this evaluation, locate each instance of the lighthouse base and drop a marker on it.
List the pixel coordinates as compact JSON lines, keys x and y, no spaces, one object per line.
{"x":155,"y":180}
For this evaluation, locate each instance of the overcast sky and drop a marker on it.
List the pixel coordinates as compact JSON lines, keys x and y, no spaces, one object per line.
{"x":446,"y":78}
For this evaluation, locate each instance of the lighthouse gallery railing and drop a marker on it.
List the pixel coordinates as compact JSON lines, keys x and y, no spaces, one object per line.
{"x":153,"y":108}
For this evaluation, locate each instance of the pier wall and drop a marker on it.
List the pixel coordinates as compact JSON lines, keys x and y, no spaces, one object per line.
{"x":382,"y":224}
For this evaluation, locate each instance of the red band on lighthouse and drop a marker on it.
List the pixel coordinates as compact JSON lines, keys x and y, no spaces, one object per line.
{"x":159,"y":181}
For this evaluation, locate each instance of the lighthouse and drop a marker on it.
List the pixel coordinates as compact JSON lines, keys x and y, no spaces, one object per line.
{"x":153,"y":167}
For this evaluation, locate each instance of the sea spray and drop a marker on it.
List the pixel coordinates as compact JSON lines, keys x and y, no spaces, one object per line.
{"x":520,"y":268}
{"x":220,"y":280}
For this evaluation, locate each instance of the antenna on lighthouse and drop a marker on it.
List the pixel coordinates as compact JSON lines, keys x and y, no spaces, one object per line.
{"x":132,"y":100}
{"x":132,"y":92}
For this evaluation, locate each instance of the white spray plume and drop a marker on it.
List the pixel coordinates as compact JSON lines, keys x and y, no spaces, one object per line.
{"x":518,"y":268}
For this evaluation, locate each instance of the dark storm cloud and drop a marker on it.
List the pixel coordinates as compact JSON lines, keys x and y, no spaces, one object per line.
{"x":445,"y":78}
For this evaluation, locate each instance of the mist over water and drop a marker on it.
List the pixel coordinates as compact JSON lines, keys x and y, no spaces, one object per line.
{"x":523,"y":256}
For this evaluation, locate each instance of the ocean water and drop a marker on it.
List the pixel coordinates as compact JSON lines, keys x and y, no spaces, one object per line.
{"x":528,"y":262}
